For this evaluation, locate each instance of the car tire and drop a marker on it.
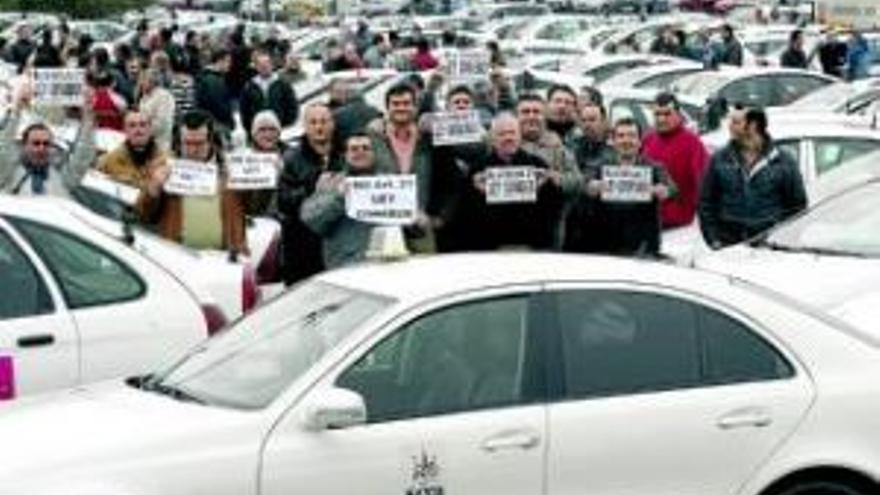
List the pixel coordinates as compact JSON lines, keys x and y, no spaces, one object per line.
{"x":819,"y":487}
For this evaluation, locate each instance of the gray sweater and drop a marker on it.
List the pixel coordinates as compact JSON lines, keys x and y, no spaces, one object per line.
{"x":345,"y":240}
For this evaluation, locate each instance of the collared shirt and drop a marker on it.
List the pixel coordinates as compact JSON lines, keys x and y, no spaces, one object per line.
{"x":403,"y":144}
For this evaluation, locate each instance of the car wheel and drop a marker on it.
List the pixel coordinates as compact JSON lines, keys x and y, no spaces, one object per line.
{"x":826,"y":488}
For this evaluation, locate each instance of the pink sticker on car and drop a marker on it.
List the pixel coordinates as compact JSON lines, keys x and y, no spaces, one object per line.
{"x":7,"y":378}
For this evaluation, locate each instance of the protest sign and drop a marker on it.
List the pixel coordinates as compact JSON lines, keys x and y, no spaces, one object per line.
{"x":468,"y":64}
{"x":249,"y":170}
{"x":517,"y":184}
{"x":452,"y":128}
{"x":58,"y":87}
{"x":626,"y":184}
{"x":102,"y":183}
{"x":191,"y":178}
{"x":382,"y":199}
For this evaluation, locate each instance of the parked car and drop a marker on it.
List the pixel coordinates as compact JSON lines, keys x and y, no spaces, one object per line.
{"x":79,"y":306}
{"x":522,"y":373}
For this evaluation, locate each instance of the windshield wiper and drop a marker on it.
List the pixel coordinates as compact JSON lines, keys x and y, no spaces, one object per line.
{"x":151,"y":383}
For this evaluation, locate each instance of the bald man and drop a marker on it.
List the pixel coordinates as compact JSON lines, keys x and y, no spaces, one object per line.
{"x":303,"y":167}
{"x":514,"y":224}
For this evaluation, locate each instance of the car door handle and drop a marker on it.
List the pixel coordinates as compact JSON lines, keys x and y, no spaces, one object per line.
{"x":745,"y":418}
{"x":511,"y":440}
{"x":39,"y":340}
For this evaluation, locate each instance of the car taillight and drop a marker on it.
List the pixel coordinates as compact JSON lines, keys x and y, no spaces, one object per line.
{"x":268,"y":270}
{"x":250,"y":291}
{"x":214,"y":318}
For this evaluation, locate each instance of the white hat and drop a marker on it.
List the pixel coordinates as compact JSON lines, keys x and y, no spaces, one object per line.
{"x":263,"y":119}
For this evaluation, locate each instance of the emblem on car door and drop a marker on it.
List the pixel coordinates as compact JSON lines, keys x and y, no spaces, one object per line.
{"x":425,"y":475}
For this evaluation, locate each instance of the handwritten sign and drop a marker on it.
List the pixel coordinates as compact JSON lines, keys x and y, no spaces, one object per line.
{"x":102,"y":183}
{"x":7,"y":378}
{"x":518,"y":184}
{"x":468,"y":64}
{"x":626,"y":184}
{"x":382,"y":199}
{"x":452,"y":128}
{"x":191,"y":178}
{"x":249,"y":170}
{"x":58,"y":87}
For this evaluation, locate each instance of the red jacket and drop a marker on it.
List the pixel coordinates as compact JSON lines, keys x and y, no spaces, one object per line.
{"x":685,"y":158}
{"x":109,"y":109}
{"x":424,"y":61}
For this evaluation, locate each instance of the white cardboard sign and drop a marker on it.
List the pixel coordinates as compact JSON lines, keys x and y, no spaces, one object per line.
{"x":469,"y":64}
{"x":452,"y":128}
{"x":382,"y":199}
{"x":626,"y":184}
{"x":517,"y":184}
{"x":249,"y":170}
{"x":58,"y":87}
{"x":191,"y":178}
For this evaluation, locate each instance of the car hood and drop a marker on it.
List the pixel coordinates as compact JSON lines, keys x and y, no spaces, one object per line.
{"x":847,"y":287}
{"x":104,"y":429}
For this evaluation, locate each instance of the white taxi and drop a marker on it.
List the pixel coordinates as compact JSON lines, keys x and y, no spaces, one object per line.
{"x":77,"y":306}
{"x":498,"y":373}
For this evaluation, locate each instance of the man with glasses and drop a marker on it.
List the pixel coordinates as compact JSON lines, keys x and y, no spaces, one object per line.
{"x":34,"y":171}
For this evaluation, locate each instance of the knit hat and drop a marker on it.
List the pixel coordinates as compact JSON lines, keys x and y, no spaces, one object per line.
{"x":264,"y":119}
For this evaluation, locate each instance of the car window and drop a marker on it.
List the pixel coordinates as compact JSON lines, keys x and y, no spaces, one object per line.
{"x":631,"y":109}
{"x":792,"y":87}
{"x":465,"y":357}
{"x":733,"y":353}
{"x":616,"y":343}
{"x":87,"y":275}
{"x":607,"y":71}
{"x":832,"y":152}
{"x":24,"y":293}
{"x":750,"y":92}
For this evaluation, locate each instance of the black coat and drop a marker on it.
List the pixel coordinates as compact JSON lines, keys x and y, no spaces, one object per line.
{"x":281,"y":99}
{"x":302,"y":254}
{"x":212,"y":96}
{"x":794,"y":58}
{"x":582,"y":221}
{"x":515,"y":224}
{"x":736,"y":204}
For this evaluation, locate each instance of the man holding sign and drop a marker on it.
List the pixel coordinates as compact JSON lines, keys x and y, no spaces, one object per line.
{"x":345,"y":239}
{"x":627,"y":195}
{"x":518,"y":198}
{"x":189,"y":197}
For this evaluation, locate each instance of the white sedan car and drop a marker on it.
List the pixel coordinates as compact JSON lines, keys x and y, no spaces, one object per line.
{"x":499,"y":373}
{"x":78,"y":306}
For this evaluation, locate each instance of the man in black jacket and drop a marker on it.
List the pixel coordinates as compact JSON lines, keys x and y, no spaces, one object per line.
{"x":212,"y":92}
{"x":267,"y":91}
{"x":317,"y":155}
{"x":750,"y":185}
{"x":795,"y":57}
{"x":515,"y":223}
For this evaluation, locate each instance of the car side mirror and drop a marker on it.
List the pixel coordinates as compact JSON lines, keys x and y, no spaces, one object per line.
{"x":334,"y":409}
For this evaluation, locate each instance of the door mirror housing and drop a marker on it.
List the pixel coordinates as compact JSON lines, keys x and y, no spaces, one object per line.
{"x":334,"y":409}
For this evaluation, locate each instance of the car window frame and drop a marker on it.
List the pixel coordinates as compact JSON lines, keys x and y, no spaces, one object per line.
{"x":556,"y":363}
{"x":411,"y":313}
{"x":17,"y":222}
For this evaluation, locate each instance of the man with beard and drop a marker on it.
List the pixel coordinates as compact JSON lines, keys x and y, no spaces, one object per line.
{"x":561,"y":110}
{"x":138,"y":162}
{"x":32,"y":172}
{"x":317,"y":153}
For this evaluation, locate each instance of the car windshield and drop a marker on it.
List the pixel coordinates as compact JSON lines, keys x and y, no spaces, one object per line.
{"x":700,"y":84}
{"x":253,"y":362}
{"x":846,"y":225}
{"x":831,"y":97}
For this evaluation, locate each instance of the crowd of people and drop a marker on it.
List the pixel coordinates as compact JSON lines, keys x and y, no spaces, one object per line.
{"x":180,"y":102}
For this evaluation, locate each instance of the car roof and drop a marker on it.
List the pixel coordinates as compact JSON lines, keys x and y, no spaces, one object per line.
{"x":425,"y":278}
{"x":714,"y":80}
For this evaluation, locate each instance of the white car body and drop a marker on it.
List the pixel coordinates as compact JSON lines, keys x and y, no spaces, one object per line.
{"x":807,"y":409}
{"x":82,"y":339}
{"x":656,"y":76}
{"x":860,"y":97}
